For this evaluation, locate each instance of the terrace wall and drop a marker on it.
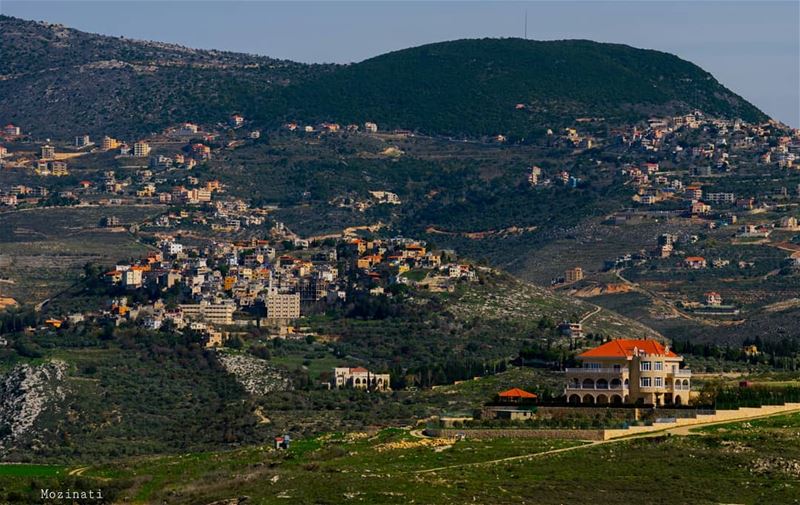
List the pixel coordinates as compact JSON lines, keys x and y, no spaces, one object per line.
{"x":517,"y":433}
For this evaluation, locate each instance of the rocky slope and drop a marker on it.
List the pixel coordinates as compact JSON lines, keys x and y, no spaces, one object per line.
{"x":26,"y":392}
{"x":255,"y":375}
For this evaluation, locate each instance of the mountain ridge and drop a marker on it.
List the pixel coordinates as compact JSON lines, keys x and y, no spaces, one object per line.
{"x":99,"y":84}
{"x":493,"y":86}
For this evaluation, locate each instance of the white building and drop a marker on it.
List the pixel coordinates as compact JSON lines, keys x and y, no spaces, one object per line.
{"x":215,"y":313}
{"x":361,"y":378}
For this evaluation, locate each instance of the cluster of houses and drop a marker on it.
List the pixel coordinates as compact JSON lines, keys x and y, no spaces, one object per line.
{"x":222,"y":286}
{"x":394,"y":260}
{"x":361,"y":204}
{"x":179,"y":147}
{"x":325,"y":127}
{"x":731,"y":144}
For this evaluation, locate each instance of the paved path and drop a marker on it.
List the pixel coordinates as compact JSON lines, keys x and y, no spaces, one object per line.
{"x":597,"y":309}
{"x":78,"y":471}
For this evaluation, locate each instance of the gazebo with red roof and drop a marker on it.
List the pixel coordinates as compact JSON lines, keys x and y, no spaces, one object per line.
{"x":516,"y":395}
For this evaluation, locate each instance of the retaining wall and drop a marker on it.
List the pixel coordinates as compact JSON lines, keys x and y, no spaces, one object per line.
{"x":721,"y":416}
{"x":517,"y":433}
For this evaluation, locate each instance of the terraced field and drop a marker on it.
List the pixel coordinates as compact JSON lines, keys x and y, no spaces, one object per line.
{"x":42,"y":251}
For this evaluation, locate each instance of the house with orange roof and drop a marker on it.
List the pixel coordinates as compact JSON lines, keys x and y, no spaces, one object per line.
{"x":414,"y":251}
{"x":368,"y":261}
{"x":629,"y":371}
{"x":713,"y":298}
{"x":361,"y":245}
{"x":54,"y":323}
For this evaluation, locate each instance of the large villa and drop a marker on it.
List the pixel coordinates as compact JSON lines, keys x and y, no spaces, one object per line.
{"x":629,"y":371}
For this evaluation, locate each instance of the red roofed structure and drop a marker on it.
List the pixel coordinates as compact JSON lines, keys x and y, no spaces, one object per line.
{"x":624,"y":348}
{"x":516,"y":393}
{"x":632,"y":371}
{"x":514,"y":404}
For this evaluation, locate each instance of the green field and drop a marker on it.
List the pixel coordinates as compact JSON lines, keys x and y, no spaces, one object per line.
{"x":21,"y":470}
{"x":752,"y":462}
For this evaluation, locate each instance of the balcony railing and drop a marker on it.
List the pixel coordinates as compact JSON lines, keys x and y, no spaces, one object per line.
{"x":607,"y":388}
{"x":598,"y":370}
{"x":682,"y":372}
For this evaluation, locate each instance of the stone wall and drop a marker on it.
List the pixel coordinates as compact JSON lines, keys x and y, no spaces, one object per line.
{"x":545,"y":411}
{"x":517,"y":433}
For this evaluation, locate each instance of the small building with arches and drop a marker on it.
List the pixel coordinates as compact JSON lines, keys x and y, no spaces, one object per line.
{"x":629,"y":371}
{"x":361,"y":378}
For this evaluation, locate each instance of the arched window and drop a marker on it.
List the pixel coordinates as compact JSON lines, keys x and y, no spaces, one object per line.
{"x":588,"y":384}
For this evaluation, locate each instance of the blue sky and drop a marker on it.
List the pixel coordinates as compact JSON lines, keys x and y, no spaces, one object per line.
{"x":752,"y":47}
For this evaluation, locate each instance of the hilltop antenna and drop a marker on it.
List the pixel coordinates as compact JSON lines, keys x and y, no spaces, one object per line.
{"x":526,"y":24}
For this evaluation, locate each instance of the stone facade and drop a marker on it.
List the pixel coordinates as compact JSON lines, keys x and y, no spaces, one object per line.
{"x":361,"y":378}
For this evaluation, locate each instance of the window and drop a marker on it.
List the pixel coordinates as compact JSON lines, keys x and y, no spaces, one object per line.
{"x":593,"y":365}
{"x":658,"y":366}
{"x":659,"y":382}
{"x":644,"y":382}
{"x":644,"y":366}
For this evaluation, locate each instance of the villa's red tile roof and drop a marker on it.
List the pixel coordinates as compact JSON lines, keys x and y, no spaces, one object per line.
{"x":622,"y":348}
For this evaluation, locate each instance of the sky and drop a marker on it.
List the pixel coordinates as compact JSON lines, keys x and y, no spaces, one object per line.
{"x":752,"y":47}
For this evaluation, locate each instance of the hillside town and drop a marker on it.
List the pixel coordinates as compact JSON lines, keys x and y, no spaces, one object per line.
{"x":468,"y":271}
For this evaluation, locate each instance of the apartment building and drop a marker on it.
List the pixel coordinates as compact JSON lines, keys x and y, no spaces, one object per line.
{"x":631,"y":371}
{"x":141,"y":149}
{"x":283,"y":305}
{"x":215,"y":313}
{"x":720,"y":198}
{"x":109,"y":143}
{"x":573,"y":274}
{"x":47,"y":152}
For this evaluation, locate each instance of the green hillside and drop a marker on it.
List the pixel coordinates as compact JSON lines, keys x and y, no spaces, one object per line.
{"x":474,"y":86}
{"x":58,"y":82}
